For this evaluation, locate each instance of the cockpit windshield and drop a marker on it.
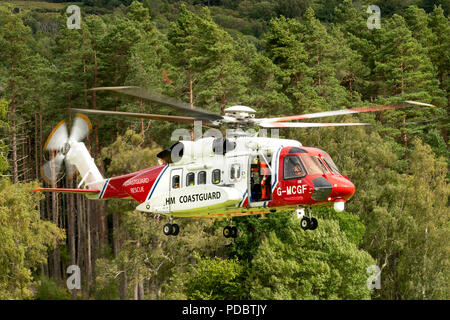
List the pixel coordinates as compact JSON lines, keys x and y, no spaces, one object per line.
{"x":293,"y":168}
{"x":330,"y":163}
{"x":314,"y":165}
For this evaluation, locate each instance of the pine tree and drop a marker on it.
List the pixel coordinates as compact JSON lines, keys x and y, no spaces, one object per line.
{"x":14,"y":41}
{"x":25,"y":239}
{"x":353,"y":23}
{"x":402,"y":64}
{"x":309,"y":56}
{"x":285,"y":49}
{"x":417,"y":21}
{"x":404,"y":72}
{"x":439,"y":54}
{"x":265,"y":92}
{"x":204,"y":58}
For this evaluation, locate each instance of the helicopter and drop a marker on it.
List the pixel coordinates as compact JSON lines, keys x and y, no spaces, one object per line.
{"x":212,"y":176}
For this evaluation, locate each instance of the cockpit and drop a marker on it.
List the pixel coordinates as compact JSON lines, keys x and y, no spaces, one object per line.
{"x":297,"y":166}
{"x":293,"y":168}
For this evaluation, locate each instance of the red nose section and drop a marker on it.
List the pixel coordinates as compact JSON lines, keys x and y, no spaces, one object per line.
{"x":343,"y":189}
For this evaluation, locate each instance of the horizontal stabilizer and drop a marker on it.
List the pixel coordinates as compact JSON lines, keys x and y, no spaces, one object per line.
{"x":92,"y":191}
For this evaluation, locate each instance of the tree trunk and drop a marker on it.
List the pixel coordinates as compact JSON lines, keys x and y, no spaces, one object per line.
{"x":13,"y":128}
{"x":88,"y":247}
{"x":24,"y":154}
{"x":142,"y":120}
{"x":36,"y":151}
{"x":71,"y":230}
{"x":123,"y":286}
{"x":404,"y":137}
{"x":141,"y":289}
{"x":100,"y":205}
{"x":123,"y":275}
{"x":191,"y":93}
{"x":56,"y":254}
{"x":136,"y":289}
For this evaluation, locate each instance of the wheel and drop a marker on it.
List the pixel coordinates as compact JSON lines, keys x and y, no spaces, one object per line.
{"x":175,"y":229}
{"x":314,"y":223}
{"x":168,"y":229}
{"x":234,"y":232}
{"x":227,"y":232}
{"x":305,"y":223}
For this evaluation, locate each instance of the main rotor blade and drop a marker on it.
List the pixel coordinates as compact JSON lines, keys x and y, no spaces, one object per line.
{"x":136,"y":115}
{"x":198,"y":113}
{"x":309,"y":125}
{"x":342,"y":112}
{"x":421,"y":103}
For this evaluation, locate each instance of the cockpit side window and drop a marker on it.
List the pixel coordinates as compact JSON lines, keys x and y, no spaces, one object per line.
{"x":293,"y":168}
{"x":330,"y":163}
{"x":314,"y":165}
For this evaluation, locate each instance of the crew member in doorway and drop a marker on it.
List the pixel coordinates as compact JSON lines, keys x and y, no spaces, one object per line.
{"x":265,"y":181}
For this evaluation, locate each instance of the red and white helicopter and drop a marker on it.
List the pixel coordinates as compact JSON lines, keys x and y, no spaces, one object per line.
{"x":214,"y":176}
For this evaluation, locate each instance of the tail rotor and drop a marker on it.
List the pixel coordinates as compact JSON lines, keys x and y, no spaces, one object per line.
{"x":59,"y":144}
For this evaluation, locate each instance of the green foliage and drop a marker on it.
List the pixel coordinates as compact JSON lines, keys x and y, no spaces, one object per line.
{"x":107,"y":280}
{"x":48,"y":289}
{"x":204,"y":60}
{"x":349,"y":223}
{"x":214,"y":279}
{"x":24,"y":239}
{"x":322,"y":264}
{"x":253,"y":230}
{"x":423,"y":266}
{"x":126,"y":154}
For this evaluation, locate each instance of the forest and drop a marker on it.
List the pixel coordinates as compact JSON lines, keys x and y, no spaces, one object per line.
{"x":280,"y":57}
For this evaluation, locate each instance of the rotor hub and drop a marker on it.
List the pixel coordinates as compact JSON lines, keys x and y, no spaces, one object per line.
{"x":240,"y":112}
{"x":65,"y":148}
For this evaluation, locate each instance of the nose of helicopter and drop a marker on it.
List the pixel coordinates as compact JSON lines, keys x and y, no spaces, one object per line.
{"x":343,"y":189}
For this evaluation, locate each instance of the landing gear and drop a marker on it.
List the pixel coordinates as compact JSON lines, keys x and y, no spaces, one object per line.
{"x":313,"y":224}
{"x":171,"y":229}
{"x":230,"y":232}
{"x":304,"y":223}
{"x":307,"y":222}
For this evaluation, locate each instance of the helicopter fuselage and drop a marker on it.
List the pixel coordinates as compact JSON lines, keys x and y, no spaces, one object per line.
{"x":249,"y":175}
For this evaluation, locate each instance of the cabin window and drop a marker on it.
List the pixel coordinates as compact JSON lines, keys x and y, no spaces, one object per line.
{"x":176,"y":182}
{"x":235,"y":171}
{"x":201,"y":177}
{"x":314,"y":165}
{"x":330,"y":163}
{"x":293,"y":168}
{"x":215,"y":177}
{"x":190,"y":179}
